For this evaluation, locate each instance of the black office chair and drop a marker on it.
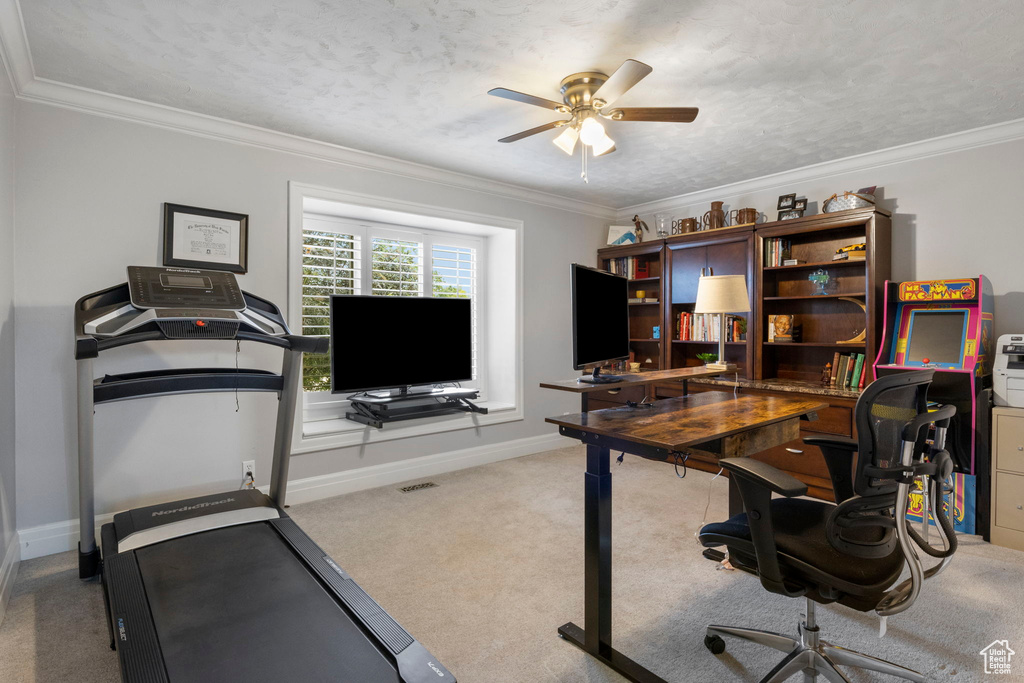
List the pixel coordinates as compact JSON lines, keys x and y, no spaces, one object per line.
{"x":851,"y":552}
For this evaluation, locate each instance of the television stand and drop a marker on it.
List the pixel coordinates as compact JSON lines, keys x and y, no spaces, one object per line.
{"x":375,"y":410}
{"x":598,"y":378}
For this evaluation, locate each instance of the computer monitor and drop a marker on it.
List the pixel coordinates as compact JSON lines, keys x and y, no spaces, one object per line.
{"x":397,"y":342}
{"x":937,"y":335}
{"x":600,"y":318}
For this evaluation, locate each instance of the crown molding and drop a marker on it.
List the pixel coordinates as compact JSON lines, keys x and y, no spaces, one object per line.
{"x":14,"y":53}
{"x":16,"y":57}
{"x":994,"y":134}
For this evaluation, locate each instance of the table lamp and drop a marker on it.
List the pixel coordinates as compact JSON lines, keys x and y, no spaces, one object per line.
{"x":722,"y":294}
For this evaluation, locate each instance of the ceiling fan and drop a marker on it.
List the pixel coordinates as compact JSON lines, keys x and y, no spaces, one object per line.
{"x":586,"y":98}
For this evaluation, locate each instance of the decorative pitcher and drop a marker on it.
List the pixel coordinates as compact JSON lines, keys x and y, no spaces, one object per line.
{"x":715,"y":218}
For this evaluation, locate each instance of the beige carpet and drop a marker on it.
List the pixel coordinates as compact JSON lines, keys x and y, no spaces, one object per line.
{"x":485,"y":567}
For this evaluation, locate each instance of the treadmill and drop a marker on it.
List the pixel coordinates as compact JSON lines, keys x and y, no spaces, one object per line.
{"x":223,"y":587}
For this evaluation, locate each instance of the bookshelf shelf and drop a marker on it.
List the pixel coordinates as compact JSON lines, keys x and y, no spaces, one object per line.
{"x":829,"y":345}
{"x":644,"y":340}
{"x":645,"y":279}
{"x":814,"y":296}
{"x":708,"y":343}
{"x":817,"y":264}
{"x":646,"y":303}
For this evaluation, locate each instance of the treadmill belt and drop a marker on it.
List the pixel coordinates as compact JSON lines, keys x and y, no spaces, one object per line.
{"x":237,"y":604}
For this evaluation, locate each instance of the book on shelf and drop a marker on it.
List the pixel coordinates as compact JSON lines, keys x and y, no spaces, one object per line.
{"x":776,"y":251}
{"x":858,"y":368}
{"x":793,"y":262}
{"x":848,"y":370}
{"x":630,"y":267}
{"x":644,"y":300}
{"x":705,"y":327}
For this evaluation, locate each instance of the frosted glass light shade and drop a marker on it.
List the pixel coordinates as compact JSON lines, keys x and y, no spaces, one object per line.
{"x":602,"y":145}
{"x":567,"y":140}
{"x":591,"y":131}
{"x":722,"y":294}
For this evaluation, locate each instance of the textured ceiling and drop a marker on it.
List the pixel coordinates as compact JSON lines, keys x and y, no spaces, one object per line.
{"x":780,"y":83}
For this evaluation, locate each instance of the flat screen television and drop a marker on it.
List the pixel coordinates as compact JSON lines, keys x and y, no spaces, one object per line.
{"x":936,"y":335}
{"x":397,"y":342}
{"x":600,"y":318}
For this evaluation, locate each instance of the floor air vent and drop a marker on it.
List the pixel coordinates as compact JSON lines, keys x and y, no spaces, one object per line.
{"x":417,"y":487}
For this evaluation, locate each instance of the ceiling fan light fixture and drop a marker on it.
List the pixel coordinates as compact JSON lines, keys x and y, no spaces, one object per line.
{"x":603,"y":145}
{"x":591,"y":132}
{"x":566,"y":141}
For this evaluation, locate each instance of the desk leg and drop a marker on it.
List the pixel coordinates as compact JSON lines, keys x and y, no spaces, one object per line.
{"x":596,"y":638}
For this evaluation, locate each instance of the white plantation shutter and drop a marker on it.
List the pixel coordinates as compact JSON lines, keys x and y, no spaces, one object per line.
{"x":396,"y":267}
{"x":331,"y":264}
{"x":342,"y":256}
{"x":454,"y":275}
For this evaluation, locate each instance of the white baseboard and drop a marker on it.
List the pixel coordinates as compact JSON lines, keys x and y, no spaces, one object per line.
{"x":58,"y":537}
{"x":8,"y":572}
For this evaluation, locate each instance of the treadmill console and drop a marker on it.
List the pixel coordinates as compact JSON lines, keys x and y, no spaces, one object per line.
{"x":151,"y":287}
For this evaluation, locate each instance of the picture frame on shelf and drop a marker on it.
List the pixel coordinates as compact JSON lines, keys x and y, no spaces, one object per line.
{"x":790,"y":214}
{"x":786,"y":201}
{"x":205,"y":238}
{"x":800,"y":204}
{"x":621,"y":234}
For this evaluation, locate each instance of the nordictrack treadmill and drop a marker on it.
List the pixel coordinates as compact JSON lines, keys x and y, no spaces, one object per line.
{"x":223,"y":587}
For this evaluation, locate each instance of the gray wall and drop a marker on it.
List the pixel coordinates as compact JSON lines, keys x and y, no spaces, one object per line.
{"x":89,"y":194}
{"x":954,"y":215}
{"x":7,"y":464}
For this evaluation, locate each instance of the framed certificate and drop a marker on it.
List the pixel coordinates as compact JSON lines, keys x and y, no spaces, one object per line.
{"x":205,"y":238}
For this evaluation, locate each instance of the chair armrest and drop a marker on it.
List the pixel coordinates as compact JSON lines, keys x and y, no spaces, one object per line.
{"x":941,"y":417}
{"x":838,"y":454}
{"x":755,"y":481}
{"x":765,"y":475}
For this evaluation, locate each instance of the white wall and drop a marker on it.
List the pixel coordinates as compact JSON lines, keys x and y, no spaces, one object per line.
{"x":89,"y":198}
{"x":7,"y":412}
{"x":954,"y":215}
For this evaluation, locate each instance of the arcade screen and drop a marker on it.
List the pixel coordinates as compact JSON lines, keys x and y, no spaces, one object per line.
{"x":937,"y":336}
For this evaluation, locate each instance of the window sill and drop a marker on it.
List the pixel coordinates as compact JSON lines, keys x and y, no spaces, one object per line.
{"x":324,"y":435}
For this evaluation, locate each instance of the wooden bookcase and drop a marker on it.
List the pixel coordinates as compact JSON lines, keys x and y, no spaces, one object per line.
{"x":773,"y":368}
{"x":643,"y":317}
{"x":824,"y":320}
{"x":726,"y":251}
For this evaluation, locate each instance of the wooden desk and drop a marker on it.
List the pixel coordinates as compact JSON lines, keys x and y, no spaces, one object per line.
{"x":718,"y":421}
{"x":631,"y":379}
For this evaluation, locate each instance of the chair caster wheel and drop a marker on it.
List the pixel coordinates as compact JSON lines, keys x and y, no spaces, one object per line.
{"x":714,"y":643}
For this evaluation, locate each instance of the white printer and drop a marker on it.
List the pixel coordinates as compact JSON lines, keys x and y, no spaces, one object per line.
{"x":1009,"y":371}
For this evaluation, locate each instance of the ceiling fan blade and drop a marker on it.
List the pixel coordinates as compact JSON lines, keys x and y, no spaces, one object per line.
{"x":532,"y":131}
{"x":526,"y":99}
{"x":666,"y":114}
{"x":625,"y":77}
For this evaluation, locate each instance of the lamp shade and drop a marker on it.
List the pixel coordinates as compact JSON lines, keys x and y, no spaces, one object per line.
{"x":722,"y":294}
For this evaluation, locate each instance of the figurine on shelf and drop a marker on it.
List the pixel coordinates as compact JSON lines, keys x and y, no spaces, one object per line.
{"x":820,"y":277}
{"x":826,"y":375}
{"x":641,"y":228}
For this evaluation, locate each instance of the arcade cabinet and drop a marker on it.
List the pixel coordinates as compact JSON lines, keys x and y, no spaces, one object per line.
{"x":947,"y":325}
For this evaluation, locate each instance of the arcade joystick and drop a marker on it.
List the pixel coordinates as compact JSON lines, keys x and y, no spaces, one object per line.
{"x":926,"y":361}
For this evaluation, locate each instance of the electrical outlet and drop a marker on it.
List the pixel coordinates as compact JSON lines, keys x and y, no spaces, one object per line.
{"x":249,"y":467}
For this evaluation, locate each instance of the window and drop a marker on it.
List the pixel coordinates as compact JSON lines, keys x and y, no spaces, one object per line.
{"x":349,"y":243}
{"x":400,"y":262}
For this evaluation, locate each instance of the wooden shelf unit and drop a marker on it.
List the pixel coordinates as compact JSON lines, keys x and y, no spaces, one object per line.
{"x":643,"y":317}
{"x":728,"y":252}
{"x":825,"y":320}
